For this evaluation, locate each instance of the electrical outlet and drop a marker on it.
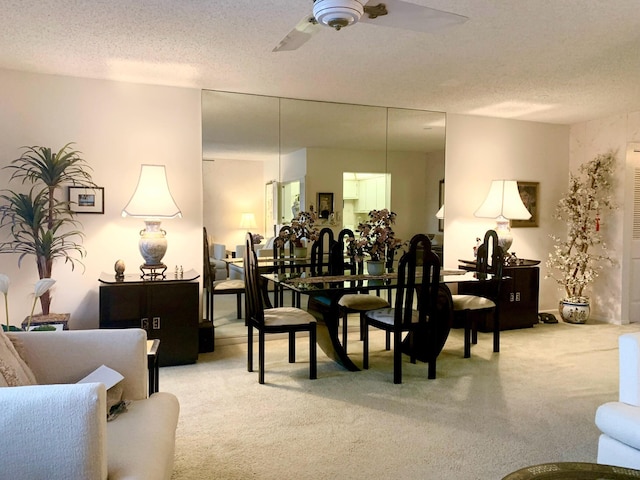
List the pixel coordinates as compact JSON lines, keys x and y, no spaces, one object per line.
{"x":156,"y":323}
{"x":511,"y":297}
{"x":144,"y":323}
{"x":517,"y":296}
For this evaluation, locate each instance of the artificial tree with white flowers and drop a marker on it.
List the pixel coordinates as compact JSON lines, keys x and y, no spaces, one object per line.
{"x":576,"y":260}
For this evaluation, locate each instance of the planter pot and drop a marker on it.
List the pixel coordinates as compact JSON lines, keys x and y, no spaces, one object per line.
{"x":375,"y":267}
{"x":60,"y":319}
{"x":574,"y":311}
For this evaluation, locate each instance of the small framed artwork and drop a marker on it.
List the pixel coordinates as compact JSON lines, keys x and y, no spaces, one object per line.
{"x":86,"y":199}
{"x":529,"y":195}
{"x":325,"y":205}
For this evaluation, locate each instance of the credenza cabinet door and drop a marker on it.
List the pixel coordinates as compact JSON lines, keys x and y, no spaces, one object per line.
{"x":167,"y":311}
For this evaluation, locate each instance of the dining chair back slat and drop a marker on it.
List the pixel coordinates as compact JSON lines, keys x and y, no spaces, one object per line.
{"x":321,"y":252}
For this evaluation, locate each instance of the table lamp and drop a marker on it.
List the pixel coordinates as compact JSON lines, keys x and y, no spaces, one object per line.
{"x":503,"y":203}
{"x":248,"y":221}
{"x":152,"y":201}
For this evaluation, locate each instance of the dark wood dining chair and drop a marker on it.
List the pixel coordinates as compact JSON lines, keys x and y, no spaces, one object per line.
{"x":273,"y":320}
{"x":353,"y":302}
{"x":321,"y":252}
{"x":284,"y":249}
{"x":403,"y":318}
{"x":213,"y":287}
{"x":489,"y":260}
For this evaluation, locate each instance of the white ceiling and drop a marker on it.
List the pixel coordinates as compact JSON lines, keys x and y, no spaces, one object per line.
{"x":558,"y":61}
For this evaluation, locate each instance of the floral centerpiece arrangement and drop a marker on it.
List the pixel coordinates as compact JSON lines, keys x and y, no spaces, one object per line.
{"x":301,"y":228}
{"x":576,"y":260}
{"x":256,"y":238}
{"x":376,"y":237}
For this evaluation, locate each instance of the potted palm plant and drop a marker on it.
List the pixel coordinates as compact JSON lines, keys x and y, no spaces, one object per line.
{"x":576,"y":260}
{"x":39,"y":223}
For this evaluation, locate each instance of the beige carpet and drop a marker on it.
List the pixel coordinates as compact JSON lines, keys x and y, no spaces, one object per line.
{"x":482,"y":418}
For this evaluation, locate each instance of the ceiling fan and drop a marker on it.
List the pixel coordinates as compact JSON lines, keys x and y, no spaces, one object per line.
{"x":338,"y":14}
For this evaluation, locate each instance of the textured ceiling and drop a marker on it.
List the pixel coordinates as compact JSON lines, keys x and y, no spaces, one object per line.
{"x":558,"y":61}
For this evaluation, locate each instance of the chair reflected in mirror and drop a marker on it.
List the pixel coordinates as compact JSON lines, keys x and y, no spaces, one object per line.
{"x":213,"y":287}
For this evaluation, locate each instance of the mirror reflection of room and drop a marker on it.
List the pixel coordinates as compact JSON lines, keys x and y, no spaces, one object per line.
{"x":361,"y":193}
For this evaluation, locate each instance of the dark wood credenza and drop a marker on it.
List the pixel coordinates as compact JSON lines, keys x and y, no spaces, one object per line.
{"x":519,"y":295}
{"x":167,"y":308}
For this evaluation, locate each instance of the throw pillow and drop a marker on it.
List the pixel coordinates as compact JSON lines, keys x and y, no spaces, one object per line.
{"x":14,"y":372}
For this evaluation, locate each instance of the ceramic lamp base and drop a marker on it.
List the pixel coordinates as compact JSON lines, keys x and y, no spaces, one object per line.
{"x":153,"y":243}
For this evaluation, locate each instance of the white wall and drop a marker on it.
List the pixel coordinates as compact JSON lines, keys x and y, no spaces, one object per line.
{"x":232,"y":187}
{"x":480,"y":149}
{"x":117,"y":126}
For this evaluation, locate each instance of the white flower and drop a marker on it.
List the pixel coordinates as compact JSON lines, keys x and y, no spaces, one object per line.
{"x":4,"y":288}
{"x":4,"y":283}
{"x":43,"y":285}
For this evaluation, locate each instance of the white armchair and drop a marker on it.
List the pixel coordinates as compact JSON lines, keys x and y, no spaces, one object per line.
{"x":59,"y":428}
{"x":216,"y":257}
{"x":619,"y":422}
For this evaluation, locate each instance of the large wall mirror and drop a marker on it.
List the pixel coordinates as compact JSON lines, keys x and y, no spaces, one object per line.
{"x":261,"y":154}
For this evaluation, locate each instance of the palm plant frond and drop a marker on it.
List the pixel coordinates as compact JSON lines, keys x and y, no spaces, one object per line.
{"x":40,"y":224}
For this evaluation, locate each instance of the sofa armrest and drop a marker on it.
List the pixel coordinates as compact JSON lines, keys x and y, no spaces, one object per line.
{"x":54,"y":425}
{"x":68,"y":356}
{"x":629,"y":358}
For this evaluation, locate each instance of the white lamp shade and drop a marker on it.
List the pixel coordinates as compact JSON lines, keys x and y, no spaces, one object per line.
{"x":440,"y":213}
{"x":503,"y":200}
{"x":247,"y":221}
{"x":152,"y":198}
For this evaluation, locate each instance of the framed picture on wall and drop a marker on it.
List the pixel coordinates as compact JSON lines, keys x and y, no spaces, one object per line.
{"x":325,"y":205}
{"x":86,"y":199}
{"x":529,"y":195}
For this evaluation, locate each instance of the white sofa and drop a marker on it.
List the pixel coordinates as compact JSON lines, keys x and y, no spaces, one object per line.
{"x":58,"y":429}
{"x":619,"y":422}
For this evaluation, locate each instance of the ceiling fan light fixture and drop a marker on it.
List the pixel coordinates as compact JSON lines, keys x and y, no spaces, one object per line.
{"x":337,"y":13}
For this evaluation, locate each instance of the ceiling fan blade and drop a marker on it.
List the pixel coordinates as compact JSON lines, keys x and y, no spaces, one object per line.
{"x":410,"y":16}
{"x":297,"y":37}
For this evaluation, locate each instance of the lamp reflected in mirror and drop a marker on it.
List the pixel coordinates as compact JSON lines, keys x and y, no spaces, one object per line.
{"x":248,"y":221}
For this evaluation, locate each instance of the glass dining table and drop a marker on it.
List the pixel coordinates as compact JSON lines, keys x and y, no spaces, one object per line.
{"x":325,"y":291}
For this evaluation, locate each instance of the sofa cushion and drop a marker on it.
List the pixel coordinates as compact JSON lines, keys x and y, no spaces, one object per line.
{"x":620,"y":421}
{"x":14,"y":372}
{"x":141,"y":441}
{"x":54,"y":431}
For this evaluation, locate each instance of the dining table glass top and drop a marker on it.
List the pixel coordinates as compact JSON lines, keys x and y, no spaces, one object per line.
{"x":305,"y":282}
